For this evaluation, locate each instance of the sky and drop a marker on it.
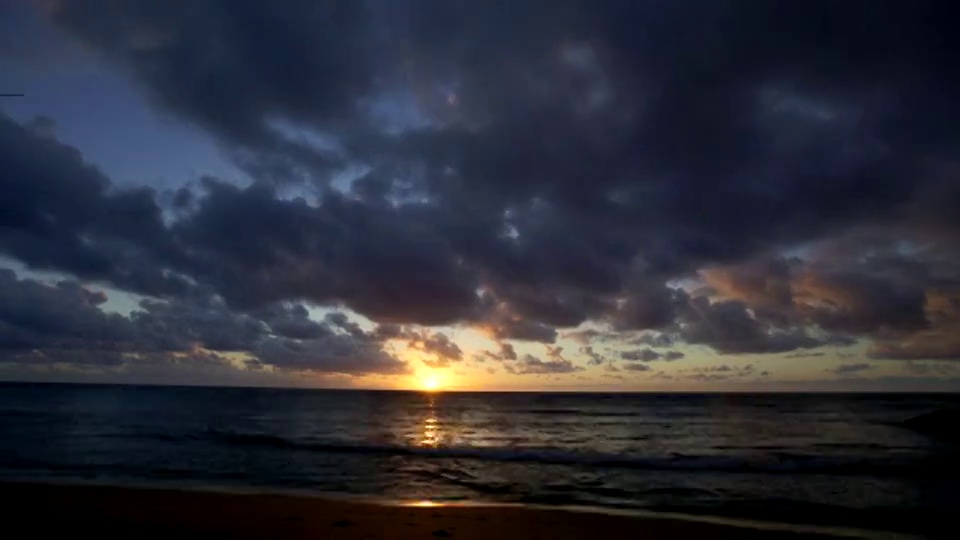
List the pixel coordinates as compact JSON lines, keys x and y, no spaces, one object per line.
{"x":601,"y":196}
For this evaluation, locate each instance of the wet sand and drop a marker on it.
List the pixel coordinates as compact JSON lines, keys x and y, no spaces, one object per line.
{"x":97,"y":512}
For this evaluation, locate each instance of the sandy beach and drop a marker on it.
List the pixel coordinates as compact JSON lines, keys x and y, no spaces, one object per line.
{"x":123,"y":512}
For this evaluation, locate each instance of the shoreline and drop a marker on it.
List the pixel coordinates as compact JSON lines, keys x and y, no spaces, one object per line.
{"x":120,"y":509}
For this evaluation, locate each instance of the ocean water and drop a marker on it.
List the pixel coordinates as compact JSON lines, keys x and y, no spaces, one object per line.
{"x":827,"y":459}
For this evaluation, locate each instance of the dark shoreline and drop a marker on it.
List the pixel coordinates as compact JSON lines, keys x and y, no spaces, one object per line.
{"x":115,"y":511}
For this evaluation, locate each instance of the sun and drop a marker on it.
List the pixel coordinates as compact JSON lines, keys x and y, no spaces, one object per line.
{"x":430,"y":383}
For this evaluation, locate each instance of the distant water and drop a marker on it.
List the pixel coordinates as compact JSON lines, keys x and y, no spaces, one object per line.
{"x":827,"y":459}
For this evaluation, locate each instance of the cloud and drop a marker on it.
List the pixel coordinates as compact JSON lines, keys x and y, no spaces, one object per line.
{"x":61,"y":213}
{"x":293,"y":321}
{"x":906,"y":307}
{"x":636,"y":367}
{"x":764,"y":284}
{"x":521,"y":171}
{"x":554,"y":353}
{"x":385,"y":262}
{"x":806,"y":355}
{"x":939,"y":341}
{"x":659,"y":339}
{"x":858,"y":303}
{"x":506,"y":354}
{"x":729,"y":327}
{"x":442,"y":348}
{"x":502,"y":327}
{"x":336,"y":353}
{"x":649,"y":355}
{"x":587,"y":336}
{"x":648,"y":309}
{"x":596,"y":359}
{"x":642,"y":355}
{"x":225,"y":67}
{"x":921,"y":346}
{"x":64,"y":323}
{"x":61,"y":317}
{"x":849,"y":369}
{"x":531,"y":365}
{"x":716,"y":373}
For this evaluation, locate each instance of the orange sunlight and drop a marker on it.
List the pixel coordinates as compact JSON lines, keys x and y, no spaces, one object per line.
{"x":431,"y":382}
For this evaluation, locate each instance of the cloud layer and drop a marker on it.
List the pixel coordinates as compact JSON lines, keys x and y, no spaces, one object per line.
{"x":742,"y":177}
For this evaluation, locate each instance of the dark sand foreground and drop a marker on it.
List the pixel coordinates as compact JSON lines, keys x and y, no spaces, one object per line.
{"x":97,"y":512}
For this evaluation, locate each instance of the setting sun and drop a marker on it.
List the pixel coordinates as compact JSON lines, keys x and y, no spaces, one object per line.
{"x":430,"y":383}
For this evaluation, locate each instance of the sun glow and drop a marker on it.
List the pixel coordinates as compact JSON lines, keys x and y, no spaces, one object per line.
{"x":430,"y":383}
{"x":424,"y":504}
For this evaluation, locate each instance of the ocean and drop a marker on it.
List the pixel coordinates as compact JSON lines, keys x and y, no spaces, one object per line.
{"x":826,"y":459}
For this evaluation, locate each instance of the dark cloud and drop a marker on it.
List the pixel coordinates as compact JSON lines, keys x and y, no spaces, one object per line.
{"x":636,"y":367}
{"x":658,"y":339}
{"x":764,"y":284}
{"x":863,"y":304}
{"x":531,"y":365}
{"x":439,"y":346}
{"x":293,"y":321}
{"x":595,"y":359}
{"x":59,"y":212}
{"x":716,"y":373}
{"x":729,"y":328}
{"x":939,"y":341}
{"x":385,"y":262}
{"x":336,"y":353}
{"x":555,"y":353}
{"x":506,"y":354}
{"x":511,"y":327}
{"x":64,"y":323}
{"x":521,"y":170}
{"x":239,"y":69}
{"x":805,"y":355}
{"x":62,"y":317}
{"x":907,"y":307}
{"x":649,"y":355}
{"x":588,"y":336}
{"x":207,"y":323}
{"x":848,"y":369}
{"x":649,"y":309}
{"x":642,"y":355}
{"x":922,"y":346}
{"x":943,"y":369}
{"x":253,"y":248}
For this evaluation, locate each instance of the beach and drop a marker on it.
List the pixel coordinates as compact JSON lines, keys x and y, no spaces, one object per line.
{"x":93,"y":511}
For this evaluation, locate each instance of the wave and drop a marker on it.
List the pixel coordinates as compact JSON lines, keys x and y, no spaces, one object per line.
{"x":773,"y":463}
{"x":580,"y":412}
{"x":827,"y":445}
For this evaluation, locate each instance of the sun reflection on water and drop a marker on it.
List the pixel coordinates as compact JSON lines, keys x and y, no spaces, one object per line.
{"x":431,"y":432}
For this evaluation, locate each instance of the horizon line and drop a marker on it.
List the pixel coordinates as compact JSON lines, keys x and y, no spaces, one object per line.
{"x":464,"y":391}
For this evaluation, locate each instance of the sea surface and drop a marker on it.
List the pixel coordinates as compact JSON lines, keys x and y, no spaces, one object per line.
{"x":827,"y":459}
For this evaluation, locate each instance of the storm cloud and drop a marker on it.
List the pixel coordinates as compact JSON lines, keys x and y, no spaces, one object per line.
{"x":63,"y":323}
{"x":736,"y":177}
